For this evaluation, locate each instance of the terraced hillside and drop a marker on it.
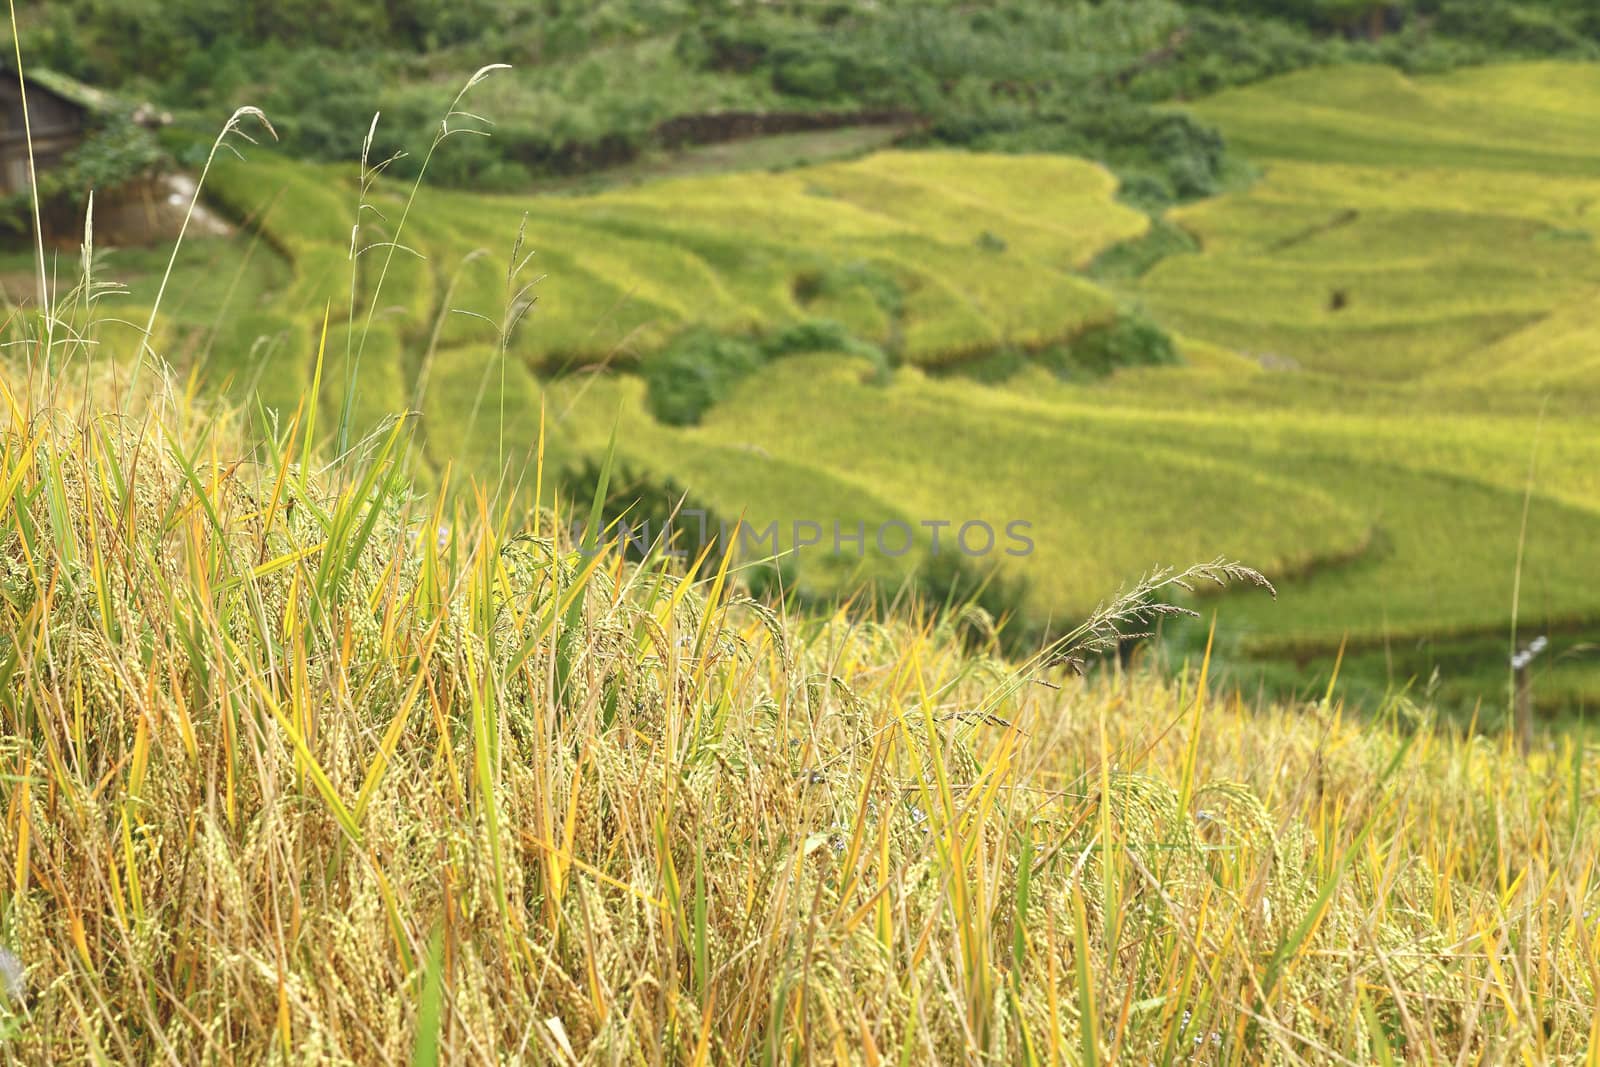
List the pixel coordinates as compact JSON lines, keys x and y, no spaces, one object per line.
{"x":1388,"y":335}
{"x":887,"y":246}
{"x":935,"y":257}
{"x":1421,"y":281}
{"x":1443,"y":235}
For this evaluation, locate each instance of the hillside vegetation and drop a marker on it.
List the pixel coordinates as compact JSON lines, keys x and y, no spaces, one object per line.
{"x":305,"y":765}
{"x":599,"y":84}
{"x":879,"y":253}
{"x":1385,"y":338}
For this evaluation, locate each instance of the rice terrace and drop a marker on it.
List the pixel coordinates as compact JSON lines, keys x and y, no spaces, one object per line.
{"x":717,"y":531}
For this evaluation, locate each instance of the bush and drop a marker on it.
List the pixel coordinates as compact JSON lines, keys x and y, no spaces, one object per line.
{"x":1163,"y":155}
{"x":1219,"y":51}
{"x":992,"y":242}
{"x":700,"y":367}
{"x":1518,"y":28}
{"x":735,"y":46}
{"x":322,"y":107}
{"x":1145,"y":192}
{"x":992,"y":368}
{"x":1419,"y":50}
{"x":1129,"y":340}
{"x":1132,"y":259}
{"x":118,"y":152}
{"x":476,"y":163}
{"x":813,"y":77}
{"x":1173,"y":146}
{"x":811,"y":335}
{"x":834,"y":281}
{"x":822,"y":335}
{"x":696,"y":370}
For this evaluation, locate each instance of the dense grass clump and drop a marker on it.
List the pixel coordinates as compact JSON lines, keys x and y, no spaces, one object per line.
{"x":300,"y":765}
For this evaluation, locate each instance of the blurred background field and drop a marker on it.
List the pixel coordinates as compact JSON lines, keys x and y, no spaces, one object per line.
{"x":1317,"y":291}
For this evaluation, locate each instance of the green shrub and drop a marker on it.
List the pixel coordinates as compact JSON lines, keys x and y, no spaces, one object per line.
{"x":1519,"y":28}
{"x":992,"y":242}
{"x":695,"y":371}
{"x":477,"y":163}
{"x":822,"y":335}
{"x":57,"y":43}
{"x":735,"y":46}
{"x":1129,"y":340}
{"x":700,"y":366}
{"x":1161,"y":155}
{"x":813,"y":77}
{"x":119,"y":151}
{"x":1221,"y":50}
{"x":1131,"y":259}
{"x":1145,"y":192}
{"x":1419,"y":50}
{"x":811,"y":335}
{"x":1327,"y":16}
{"x":322,"y":107}
{"x":993,"y":368}
{"x":834,"y":281}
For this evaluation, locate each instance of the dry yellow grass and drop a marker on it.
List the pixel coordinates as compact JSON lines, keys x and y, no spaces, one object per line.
{"x":298,"y":768}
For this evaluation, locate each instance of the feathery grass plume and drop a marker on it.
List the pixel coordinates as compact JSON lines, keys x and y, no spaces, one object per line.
{"x":1138,"y":606}
{"x":518,"y":301}
{"x":465,"y":123}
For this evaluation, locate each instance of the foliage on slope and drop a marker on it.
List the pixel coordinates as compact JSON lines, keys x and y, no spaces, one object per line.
{"x":596,"y":81}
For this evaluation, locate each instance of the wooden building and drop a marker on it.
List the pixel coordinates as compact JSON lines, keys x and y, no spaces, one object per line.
{"x":59,"y":113}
